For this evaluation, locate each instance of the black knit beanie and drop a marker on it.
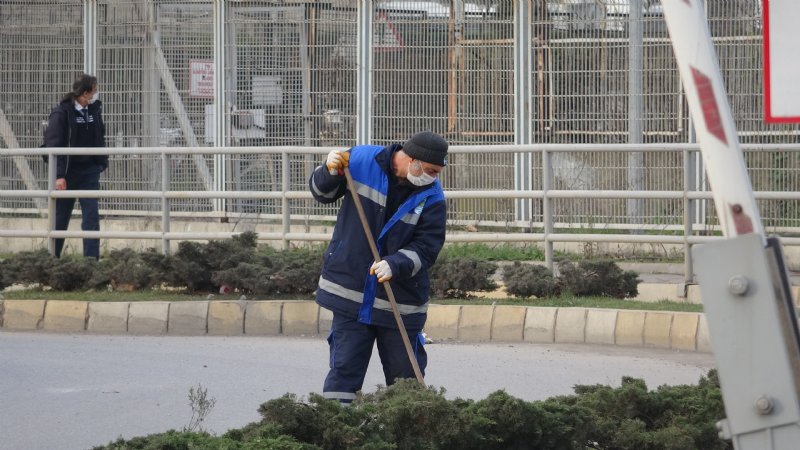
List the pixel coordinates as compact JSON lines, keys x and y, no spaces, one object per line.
{"x":427,"y":146}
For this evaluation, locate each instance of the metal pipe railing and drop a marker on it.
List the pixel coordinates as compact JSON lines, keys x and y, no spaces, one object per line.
{"x":546,"y":195}
{"x":455,"y":149}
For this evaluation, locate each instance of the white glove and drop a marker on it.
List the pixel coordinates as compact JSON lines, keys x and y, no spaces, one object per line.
{"x":337,"y":161}
{"x":382,"y":270}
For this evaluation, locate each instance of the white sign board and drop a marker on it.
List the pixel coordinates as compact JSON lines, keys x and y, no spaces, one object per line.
{"x":781,"y":65}
{"x":201,"y":78}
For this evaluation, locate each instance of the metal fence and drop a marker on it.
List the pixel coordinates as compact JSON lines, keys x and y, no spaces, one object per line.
{"x":341,"y":72}
{"x":680,"y":225}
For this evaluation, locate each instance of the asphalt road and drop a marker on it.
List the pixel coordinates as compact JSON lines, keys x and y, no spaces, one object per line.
{"x":77,"y":391}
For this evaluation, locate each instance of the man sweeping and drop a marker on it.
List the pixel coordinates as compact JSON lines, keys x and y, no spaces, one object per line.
{"x":404,"y":207}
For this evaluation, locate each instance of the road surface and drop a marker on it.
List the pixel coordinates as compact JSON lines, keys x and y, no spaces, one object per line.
{"x":61,"y":391}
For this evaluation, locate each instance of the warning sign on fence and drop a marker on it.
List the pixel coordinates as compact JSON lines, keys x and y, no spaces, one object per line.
{"x":384,"y":35}
{"x":201,"y":78}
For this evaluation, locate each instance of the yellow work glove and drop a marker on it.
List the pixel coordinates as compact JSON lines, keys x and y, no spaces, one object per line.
{"x":382,"y":270}
{"x":337,"y":161}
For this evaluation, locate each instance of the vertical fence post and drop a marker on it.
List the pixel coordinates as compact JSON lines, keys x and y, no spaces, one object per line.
{"x":165,"y":216}
{"x":51,"y":202}
{"x":90,"y":37}
{"x":547,"y":210}
{"x":90,"y":66}
{"x":151,"y":81}
{"x":220,"y":129}
{"x":635,"y":206}
{"x":523,"y":118}
{"x":364,"y":73}
{"x":285,"y":219}
{"x":688,"y":215}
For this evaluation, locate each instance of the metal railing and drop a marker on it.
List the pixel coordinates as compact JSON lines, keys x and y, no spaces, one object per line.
{"x":546,"y":231}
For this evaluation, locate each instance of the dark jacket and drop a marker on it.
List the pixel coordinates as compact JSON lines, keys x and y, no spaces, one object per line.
{"x":62,"y":131}
{"x":409,"y":241}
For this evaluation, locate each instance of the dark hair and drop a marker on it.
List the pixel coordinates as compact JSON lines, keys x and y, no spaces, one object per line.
{"x":81,"y":85}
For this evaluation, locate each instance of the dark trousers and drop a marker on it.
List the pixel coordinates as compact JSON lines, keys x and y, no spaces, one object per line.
{"x":351,"y":345}
{"x":90,"y":217}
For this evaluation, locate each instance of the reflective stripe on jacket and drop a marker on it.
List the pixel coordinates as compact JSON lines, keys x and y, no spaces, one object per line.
{"x":409,"y":241}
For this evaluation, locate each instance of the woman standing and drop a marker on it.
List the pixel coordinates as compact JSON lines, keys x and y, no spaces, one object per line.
{"x":77,"y":121}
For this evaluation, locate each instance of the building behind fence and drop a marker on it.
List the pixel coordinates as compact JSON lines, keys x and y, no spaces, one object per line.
{"x":306,"y":74}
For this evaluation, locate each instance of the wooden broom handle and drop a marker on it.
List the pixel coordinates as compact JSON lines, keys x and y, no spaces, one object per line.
{"x":386,"y":286}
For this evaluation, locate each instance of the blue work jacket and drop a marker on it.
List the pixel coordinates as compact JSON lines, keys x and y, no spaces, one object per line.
{"x":409,"y":241}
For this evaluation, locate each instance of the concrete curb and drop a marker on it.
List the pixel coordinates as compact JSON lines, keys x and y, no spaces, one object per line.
{"x":468,"y":323}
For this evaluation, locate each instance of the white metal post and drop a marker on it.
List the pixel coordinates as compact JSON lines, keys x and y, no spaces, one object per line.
{"x":743,"y":280}
{"x":547,"y":208}
{"x":523,"y":120}
{"x":51,"y":202}
{"x":90,"y":36}
{"x":285,"y":219}
{"x":220,"y":106}
{"x":165,"y":186}
{"x":688,"y":217}
{"x":364,"y":70}
{"x":151,"y":82}
{"x":635,"y":206}
{"x":714,"y":124}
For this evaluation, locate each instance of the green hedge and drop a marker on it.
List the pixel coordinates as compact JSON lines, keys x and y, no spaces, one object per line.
{"x":456,"y":277}
{"x":586,"y":278}
{"x":408,"y":416}
{"x":235,"y":263}
{"x":239,"y":265}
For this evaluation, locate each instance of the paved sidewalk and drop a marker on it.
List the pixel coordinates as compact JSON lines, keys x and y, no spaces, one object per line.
{"x":673,"y":273}
{"x":659,"y":281}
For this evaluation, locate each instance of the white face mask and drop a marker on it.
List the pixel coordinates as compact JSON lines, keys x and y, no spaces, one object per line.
{"x":419,"y":180}
{"x":95,"y":97}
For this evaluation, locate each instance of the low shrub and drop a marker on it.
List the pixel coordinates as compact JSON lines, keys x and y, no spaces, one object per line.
{"x":632,"y":417}
{"x":4,"y":275}
{"x":187,"y":440}
{"x":601,"y":278}
{"x":128,"y":270}
{"x":274,"y":272}
{"x":530,"y":280}
{"x":237,"y":264}
{"x":194,"y":264}
{"x":188,"y":267}
{"x":295,"y":271}
{"x":247,"y":278}
{"x":28,"y":268}
{"x":71,"y":273}
{"x":455,"y":277}
{"x":228,"y":253}
{"x":410,"y":416}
